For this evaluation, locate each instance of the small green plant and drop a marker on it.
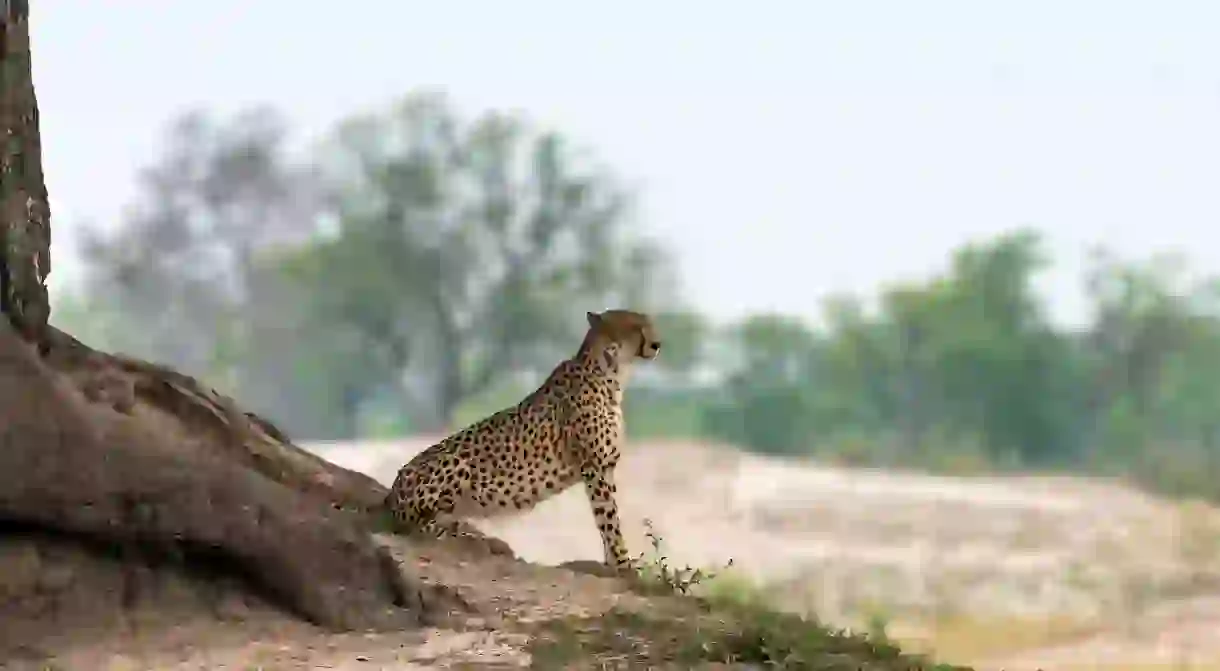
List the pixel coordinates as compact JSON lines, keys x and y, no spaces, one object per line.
{"x":878,"y":626}
{"x":731,"y":588}
{"x":654,"y":571}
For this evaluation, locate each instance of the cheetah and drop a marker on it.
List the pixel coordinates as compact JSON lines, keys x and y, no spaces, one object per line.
{"x":569,"y":430}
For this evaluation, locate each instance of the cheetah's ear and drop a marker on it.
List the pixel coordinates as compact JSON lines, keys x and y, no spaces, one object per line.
{"x":595,"y":319}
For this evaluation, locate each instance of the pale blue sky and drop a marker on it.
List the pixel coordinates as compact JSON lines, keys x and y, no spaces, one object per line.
{"x":788,"y":150}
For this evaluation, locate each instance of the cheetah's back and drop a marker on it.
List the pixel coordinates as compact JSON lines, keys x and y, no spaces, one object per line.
{"x":504,"y":464}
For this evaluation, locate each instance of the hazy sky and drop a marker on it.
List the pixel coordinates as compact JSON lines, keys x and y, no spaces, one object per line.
{"x":787,"y":151}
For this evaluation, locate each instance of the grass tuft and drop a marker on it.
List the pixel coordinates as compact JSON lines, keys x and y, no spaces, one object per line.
{"x":712,"y":617}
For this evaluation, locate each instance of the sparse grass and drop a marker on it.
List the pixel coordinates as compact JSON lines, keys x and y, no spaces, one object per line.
{"x":741,"y":624}
{"x":714,"y":634}
{"x":733,"y":588}
{"x":757,"y":634}
{"x":712,"y":617}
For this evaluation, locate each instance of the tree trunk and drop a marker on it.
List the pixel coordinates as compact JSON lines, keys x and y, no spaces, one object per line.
{"x":25,"y":217}
{"x":149,"y":457}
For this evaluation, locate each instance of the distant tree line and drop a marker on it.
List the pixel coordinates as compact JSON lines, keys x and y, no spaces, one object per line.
{"x":458,"y":256}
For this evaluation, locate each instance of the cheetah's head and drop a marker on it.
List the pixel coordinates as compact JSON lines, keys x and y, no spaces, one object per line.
{"x":633,"y":332}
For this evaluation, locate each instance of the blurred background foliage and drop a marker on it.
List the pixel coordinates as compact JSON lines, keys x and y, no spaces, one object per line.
{"x":417,"y":270}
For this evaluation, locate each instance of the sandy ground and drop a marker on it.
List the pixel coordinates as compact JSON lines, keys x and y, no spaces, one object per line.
{"x":1110,"y":574}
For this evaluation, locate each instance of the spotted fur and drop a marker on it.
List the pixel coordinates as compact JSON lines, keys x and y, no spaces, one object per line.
{"x":569,"y":430}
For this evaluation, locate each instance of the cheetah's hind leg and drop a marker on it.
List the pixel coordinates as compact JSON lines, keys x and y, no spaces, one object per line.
{"x":470,"y":538}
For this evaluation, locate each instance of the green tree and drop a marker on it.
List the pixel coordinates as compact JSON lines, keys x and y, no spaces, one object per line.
{"x":183,"y":276}
{"x":685,"y":334}
{"x":465,"y":252}
{"x":858,"y":359}
{"x":768,"y":402}
{"x":967,"y":356}
{"x":1005,"y":372}
{"x":1143,"y":334}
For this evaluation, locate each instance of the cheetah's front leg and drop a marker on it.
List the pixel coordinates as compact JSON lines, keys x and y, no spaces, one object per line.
{"x":599,"y":485}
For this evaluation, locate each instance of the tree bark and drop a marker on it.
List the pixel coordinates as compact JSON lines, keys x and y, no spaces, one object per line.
{"x":25,"y":216}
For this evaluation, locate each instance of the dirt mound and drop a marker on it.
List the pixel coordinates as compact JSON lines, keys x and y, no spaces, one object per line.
{"x":57,"y":590}
{"x":110,"y":515}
